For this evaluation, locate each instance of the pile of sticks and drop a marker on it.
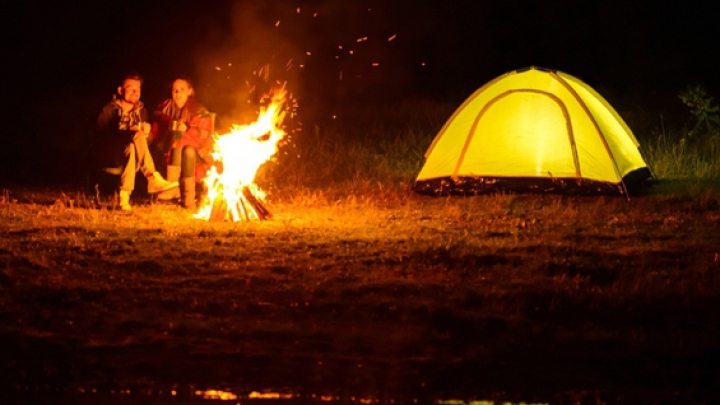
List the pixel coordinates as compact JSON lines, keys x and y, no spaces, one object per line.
{"x":248,"y":208}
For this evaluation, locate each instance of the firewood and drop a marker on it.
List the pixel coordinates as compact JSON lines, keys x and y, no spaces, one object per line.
{"x":243,"y":209}
{"x":219,"y":209}
{"x":263,"y":213}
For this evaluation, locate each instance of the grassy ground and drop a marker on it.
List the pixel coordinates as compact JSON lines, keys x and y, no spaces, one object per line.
{"x":359,"y":289}
{"x":392,"y":296}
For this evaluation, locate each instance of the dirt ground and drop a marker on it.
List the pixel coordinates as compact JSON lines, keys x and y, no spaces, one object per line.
{"x":407,"y":299}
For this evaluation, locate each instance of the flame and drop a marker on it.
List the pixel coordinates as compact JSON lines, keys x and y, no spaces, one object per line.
{"x":231,"y":192}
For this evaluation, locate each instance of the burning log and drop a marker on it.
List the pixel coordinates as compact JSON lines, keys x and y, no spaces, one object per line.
{"x":246,"y":208}
{"x":219,"y":209}
{"x":232,"y":194}
{"x":256,"y":204}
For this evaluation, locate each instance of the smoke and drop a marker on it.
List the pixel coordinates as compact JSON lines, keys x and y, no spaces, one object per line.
{"x":328,"y":53}
{"x":237,"y":65}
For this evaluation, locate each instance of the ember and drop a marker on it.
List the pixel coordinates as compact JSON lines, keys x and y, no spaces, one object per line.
{"x":232,"y":194}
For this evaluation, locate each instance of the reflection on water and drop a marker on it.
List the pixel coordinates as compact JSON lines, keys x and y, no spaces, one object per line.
{"x":461,"y":402}
{"x":201,"y":397}
{"x":215,"y":394}
{"x":229,"y":396}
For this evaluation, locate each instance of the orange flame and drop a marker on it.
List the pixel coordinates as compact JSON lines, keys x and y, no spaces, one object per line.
{"x":241,"y":153}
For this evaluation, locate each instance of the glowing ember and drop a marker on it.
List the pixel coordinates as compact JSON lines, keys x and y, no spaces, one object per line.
{"x":232,"y":194}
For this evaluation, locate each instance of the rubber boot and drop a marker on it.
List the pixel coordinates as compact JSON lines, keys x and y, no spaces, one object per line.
{"x":125,"y":200}
{"x":157,"y":184}
{"x":188,"y":193}
{"x":173,"y":175}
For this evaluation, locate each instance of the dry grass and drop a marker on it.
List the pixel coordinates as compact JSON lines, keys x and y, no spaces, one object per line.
{"x":383,"y":294}
{"x":360,"y":289}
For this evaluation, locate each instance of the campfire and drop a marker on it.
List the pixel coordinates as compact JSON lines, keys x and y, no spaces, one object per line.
{"x":232,"y":194}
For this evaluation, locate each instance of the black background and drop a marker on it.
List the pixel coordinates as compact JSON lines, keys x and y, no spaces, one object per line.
{"x":63,"y":60}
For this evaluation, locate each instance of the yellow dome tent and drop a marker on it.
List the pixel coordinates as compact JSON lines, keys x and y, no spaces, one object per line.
{"x":533,"y":130}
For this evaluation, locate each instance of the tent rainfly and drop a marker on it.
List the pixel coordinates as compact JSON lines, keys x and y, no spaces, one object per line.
{"x":533,"y":130}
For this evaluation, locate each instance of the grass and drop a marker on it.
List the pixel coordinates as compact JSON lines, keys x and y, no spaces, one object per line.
{"x":674,"y":157}
{"x":360,"y":288}
{"x":529,"y":296}
{"x":364,"y":156}
{"x":359,"y":154}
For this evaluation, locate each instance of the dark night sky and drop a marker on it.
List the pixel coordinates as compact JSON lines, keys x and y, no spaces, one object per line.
{"x":74,"y":53}
{"x":624,"y":45}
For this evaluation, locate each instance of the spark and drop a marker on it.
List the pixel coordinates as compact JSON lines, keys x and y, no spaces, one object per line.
{"x":277,"y":23}
{"x":392,"y":37}
{"x":297,"y":10}
{"x":217,"y":67}
{"x":375,"y":64}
